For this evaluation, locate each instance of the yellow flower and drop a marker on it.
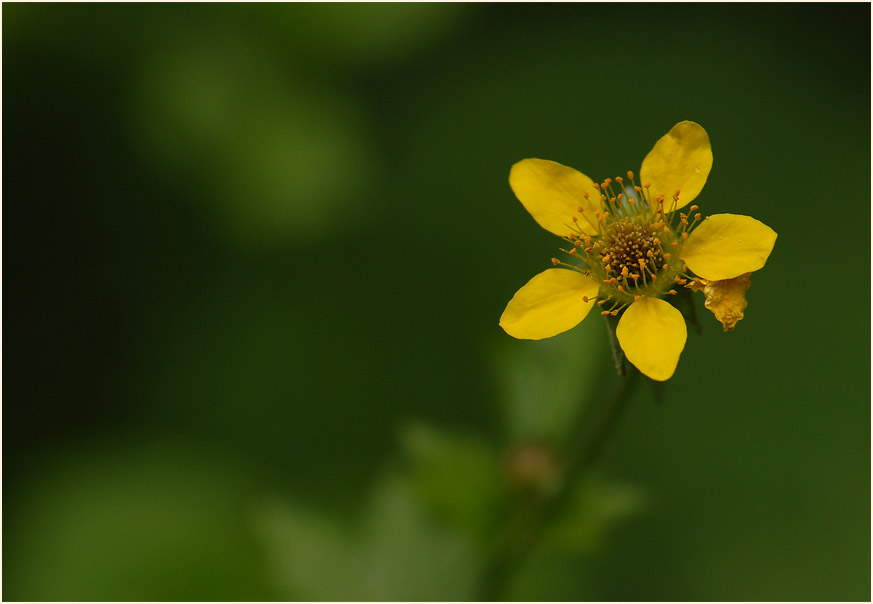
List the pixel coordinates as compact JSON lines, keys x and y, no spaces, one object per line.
{"x":632,"y":247}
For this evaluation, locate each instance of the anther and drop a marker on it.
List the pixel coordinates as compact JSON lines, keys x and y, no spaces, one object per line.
{"x":680,"y":280}
{"x":697,"y":216}
{"x":667,"y":256}
{"x":637,"y":298}
{"x":693,"y":208}
{"x":575,"y":219}
{"x":618,"y":179}
{"x":556,"y":262}
{"x":604,"y":312}
{"x":684,"y":236}
{"x":675,"y":244}
{"x":597,"y":186}
{"x":676,"y":195}
{"x":647,"y":185}
{"x":672,"y":292}
{"x":585,"y":298}
{"x":630,"y":174}
{"x":601,"y":302}
{"x":614,"y":313}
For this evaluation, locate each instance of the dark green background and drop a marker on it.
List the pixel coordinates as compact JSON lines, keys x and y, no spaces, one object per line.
{"x":245,"y":245}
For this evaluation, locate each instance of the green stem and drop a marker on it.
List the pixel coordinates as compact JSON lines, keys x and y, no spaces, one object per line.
{"x":531,"y":521}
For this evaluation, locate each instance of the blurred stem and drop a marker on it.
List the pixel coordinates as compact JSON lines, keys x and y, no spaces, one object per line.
{"x":532,"y":517}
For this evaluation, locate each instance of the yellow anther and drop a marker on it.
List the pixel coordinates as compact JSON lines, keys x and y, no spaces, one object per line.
{"x":667,"y":256}
{"x":614,"y":313}
{"x":608,"y":268}
{"x":680,"y":280}
{"x":693,"y":208}
{"x":556,"y":262}
{"x":585,"y":298}
{"x":630,"y":174}
{"x":675,"y":244}
{"x":676,"y":195}
{"x":601,"y":302}
{"x":684,"y":236}
{"x":637,"y":189}
{"x":656,"y":241}
{"x":697,"y":216}
{"x":624,"y":271}
{"x":647,"y":185}
{"x":575,"y":219}
{"x":672,"y":292}
{"x":637,"y":298}
{"x":618,"y":179}
{"x":620,"y":288}
{"x":604,"y":312}
{"x":597,"y":186}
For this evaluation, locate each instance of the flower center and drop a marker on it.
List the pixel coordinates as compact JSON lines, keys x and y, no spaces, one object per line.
{"x":630,"y":247}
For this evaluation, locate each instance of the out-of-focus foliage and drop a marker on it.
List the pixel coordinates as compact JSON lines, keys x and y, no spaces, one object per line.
{"x":254,"y":260}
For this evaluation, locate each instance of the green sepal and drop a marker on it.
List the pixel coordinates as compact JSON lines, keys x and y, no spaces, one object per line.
{"x":683,"y":301}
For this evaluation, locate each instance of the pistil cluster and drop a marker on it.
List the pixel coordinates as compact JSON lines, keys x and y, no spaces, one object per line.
{"x":636,"y":250}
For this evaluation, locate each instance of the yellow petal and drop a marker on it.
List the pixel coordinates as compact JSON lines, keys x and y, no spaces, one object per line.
{"x":726,"y":299}
{"x":679,"y":161}
{"x":553,"y":194}
{"x":550,"y":303}
{"x":652,"y":335}
{"x":725,"y":246}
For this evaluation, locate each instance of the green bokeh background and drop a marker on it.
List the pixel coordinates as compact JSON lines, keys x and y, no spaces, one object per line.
{"x":246,"y":247}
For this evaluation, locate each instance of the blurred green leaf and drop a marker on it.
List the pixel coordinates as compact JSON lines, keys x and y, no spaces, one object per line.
{"x":595,"y":506}
{"x":458,"y":476}
{"x":398,"y":553}
{"x":544,"y":385}
{"x":132,"y":522}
